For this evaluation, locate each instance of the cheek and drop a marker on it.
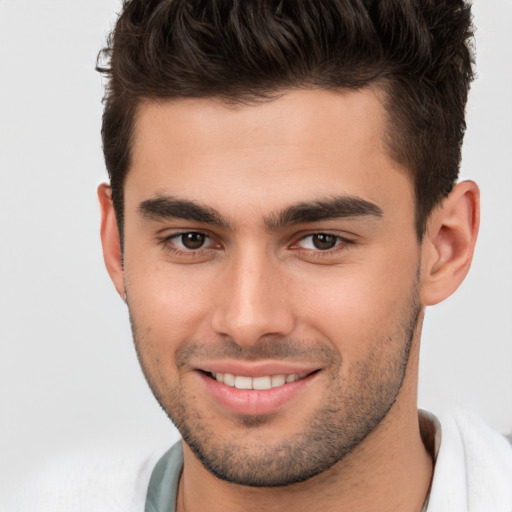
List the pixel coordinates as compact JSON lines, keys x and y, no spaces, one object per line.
{"x":363,"y":303}
{"x":166,"y":309}
{"x":168,"y":301}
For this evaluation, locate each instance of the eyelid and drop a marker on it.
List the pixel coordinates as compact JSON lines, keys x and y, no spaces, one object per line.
{"x":341,"y":241}
{"x":177,"y":236}
{"x":167,"y":241}
{"x":337,"y":242}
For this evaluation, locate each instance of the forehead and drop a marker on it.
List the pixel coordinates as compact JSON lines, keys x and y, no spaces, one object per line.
{"x":302,"y":144}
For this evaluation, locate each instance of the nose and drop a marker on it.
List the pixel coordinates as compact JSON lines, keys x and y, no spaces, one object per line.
{"x":253,"y":300}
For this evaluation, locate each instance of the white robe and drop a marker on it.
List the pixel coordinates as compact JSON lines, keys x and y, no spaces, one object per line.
{"x":473,"y":473}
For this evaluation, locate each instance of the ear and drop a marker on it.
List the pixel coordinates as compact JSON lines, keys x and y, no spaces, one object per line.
{"x":449,"y":243}
{"x":110,"y":239}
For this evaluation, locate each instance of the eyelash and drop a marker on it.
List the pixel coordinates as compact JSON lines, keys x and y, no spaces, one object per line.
{"x":340,"y":242}
{"x":169,"y":244}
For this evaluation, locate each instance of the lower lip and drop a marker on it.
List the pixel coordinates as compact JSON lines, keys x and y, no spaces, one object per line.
{"x":252,"y":401}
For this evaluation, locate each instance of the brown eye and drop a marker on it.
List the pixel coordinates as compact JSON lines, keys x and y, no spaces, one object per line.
{"x":324,"y":241}
{"x":193,"y":240}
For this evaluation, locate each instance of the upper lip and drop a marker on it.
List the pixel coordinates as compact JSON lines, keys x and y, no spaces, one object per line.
{"x":256,"y":369}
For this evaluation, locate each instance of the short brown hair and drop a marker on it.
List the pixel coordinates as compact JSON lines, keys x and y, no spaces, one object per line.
{"x":416,"y":51}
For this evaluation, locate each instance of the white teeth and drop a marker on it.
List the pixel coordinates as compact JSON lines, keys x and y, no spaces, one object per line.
{"x":259,"y":383}
{"x":278,"y":380}
{"x":243,"y":382}
{"x":229,"y":379}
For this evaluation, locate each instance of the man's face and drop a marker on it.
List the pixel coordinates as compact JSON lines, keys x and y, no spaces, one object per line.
{"x":272,"y":247}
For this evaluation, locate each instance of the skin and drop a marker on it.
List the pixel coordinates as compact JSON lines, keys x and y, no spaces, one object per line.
{"x":259,"y":293}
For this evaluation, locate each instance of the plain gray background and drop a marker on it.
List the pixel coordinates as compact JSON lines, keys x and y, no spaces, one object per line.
{"x":68,"y":371}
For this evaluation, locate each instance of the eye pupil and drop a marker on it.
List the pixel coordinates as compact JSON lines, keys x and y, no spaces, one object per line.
{"x":193,"y":240}
{"x":324,"y":241}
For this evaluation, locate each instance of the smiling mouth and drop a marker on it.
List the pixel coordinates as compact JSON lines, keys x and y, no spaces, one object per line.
{"x":257,"y":383}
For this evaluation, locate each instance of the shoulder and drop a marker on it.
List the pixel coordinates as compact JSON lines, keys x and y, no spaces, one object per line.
{"x":89,"y":480}
{"x":473,"y":468}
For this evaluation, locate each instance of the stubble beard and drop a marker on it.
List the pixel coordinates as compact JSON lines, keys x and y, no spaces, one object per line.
{"x":351,"y":410}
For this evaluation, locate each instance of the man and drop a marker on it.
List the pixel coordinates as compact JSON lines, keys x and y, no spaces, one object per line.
{"x":283,"y":206}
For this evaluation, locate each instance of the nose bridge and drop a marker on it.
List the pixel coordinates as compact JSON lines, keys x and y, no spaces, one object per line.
{"x":251,"y":302}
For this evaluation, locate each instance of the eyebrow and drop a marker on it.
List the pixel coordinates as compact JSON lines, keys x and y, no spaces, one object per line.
{"x":161,"y":208}
{"x":167,"y":207}
{"x":337,"y":207}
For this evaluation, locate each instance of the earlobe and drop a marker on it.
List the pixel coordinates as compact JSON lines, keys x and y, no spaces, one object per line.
{"x":449,"y":243}
{"x":110,"y":239}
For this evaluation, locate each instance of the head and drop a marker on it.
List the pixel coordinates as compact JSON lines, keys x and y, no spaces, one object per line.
{"x":416,"y":54}
{"x":282,"y":186}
